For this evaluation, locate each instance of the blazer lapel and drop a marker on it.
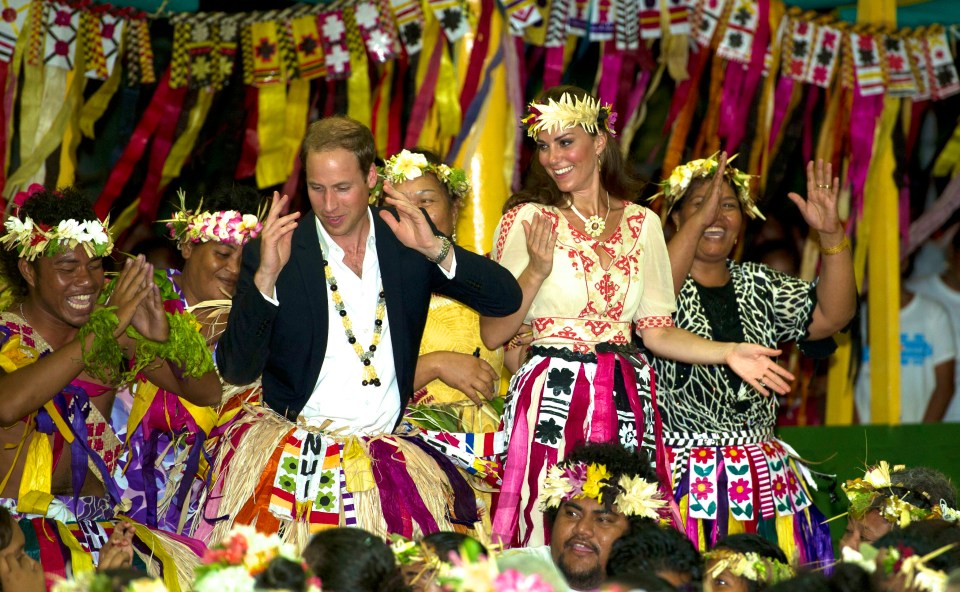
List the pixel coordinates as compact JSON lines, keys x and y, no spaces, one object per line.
{"x":308,"y":257}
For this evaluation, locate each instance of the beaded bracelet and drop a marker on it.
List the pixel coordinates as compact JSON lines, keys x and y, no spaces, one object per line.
{"x":838,"y":248}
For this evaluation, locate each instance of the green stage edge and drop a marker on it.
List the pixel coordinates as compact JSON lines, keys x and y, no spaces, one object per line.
{"x":845,"y":451}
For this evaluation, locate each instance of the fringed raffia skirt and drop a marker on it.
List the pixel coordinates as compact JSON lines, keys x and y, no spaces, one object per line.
{"x":558,"y":400}
{"x":295,"y":480}
{"x":68,"y":539}
{"x":746,"y":482}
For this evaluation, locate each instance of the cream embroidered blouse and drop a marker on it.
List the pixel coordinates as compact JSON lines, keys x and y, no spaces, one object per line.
{"x":580,"y":303}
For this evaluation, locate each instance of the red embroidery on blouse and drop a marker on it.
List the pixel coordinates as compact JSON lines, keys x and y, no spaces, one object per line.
{"x":654,"y":322}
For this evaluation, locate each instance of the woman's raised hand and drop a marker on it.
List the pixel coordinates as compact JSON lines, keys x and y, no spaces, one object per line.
{"x":541,"y":240}
{"x":819,"y":210}
{"x":709,"y":208}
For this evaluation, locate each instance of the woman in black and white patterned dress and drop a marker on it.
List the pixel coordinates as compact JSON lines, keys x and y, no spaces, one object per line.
{"x":728,"y":472}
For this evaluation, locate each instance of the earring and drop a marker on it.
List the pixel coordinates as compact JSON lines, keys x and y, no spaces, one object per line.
{"x":599,"y":164}
{"x":453,"y":237}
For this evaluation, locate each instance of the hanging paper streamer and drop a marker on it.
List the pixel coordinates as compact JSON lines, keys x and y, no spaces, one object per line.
{"x":410,"y":24}
{"x":335,"y":52}
{"x":824,"y":57}
{"x":310,"y":51}
{"x":943,"y":73}
{"x":13,"y":16}
{"x":452,"y":16}
{"x":866,"y":61}
{"x":796,"y":61}
{"x":741,"y":27}
{"x":916,"y":48}
{"x":61,"y":42}
{"x":602,"y":20}
{"x":378,"y":41}
{"x":627,"y":28}
{"x":522,"y":14}
{"x":705,"y":26}
{"x":650,"y":27}
{"x":679,"y":17}
{"x":579,"y":18}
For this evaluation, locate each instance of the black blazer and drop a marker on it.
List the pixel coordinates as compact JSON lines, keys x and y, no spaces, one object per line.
{"x":286,"y":344}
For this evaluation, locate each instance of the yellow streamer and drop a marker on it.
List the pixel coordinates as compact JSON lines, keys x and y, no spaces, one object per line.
{"x":184,"y":145}
{"x":298,"y":106}
{"x":270,"y":131}
{"x":948,"y":161}
{"x":35,"y":485}
{"x":447,"y":101}
{"x":358,"y":85}
{"x":96,"y":106}
{"x":71,"y":139}
{"x":383,"y":113}
{"x":125,"y":219}
{"x":80,"y":559}
{"x":356,"y":467}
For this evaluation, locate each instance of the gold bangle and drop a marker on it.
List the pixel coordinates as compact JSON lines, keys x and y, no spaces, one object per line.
{"x":839,"y":248}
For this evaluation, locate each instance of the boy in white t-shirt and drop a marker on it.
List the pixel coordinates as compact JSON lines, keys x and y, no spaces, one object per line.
{"x":945,"y":289}
{"x":927,"y":354}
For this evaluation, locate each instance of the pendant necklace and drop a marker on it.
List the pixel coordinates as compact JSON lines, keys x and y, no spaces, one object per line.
{"x":594,"y":225}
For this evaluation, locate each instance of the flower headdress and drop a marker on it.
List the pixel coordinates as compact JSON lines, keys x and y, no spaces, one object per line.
{"x":472,"y":570}
{"x":234,"y":564}
{"x":679,"y":181}
{"x":750,"y":566}
{"x":876,"y":490}
{"x":224,"y":226}
{"x":406,"y":165}
{"x":563,"y":114}
{"x":633,"y":496}
{"x":32,"y":239}
{"x":901,"y":560}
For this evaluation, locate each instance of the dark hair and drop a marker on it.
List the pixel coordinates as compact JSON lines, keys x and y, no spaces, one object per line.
{"x":7,"y":524}
{"x":618,"y":461}
{"x":654,"y":549}
{"x":282,"y":574}
{"x":444,"y":543}
{"x":849,"y":577}
{"x":615,"y":175}
{"x":921,"y":486}
{"x":48,"y":207}
{"x":637,"y":580}
{"x":926,"y":536}
{"x":807,"y":581}
{"x":353,"y":560}
{"x":331,"y":133}
{"x":751,"y":543}
{"x":234,"y":196}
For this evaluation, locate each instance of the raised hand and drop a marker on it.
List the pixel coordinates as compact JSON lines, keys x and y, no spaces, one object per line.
{"x":709,"y":208}
{"x":819,"y":210}
{"x":753,"y":364}
{"x":411,"y":225}
{"x":541,"y":241}
{"x":471,"y":375}
{"x":150,"y":319}
{"x":132,"y":286}
{"x":275,"y":243}
{"x":118,"y":550}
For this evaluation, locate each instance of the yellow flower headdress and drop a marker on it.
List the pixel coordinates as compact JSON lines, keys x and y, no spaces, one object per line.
{"x":901,"y":560}
{"x":679,"y":181}
{"x":634,"y":496}
{"x":876,"y":490}
{"x":225,"y":226}
{"x":406,"y":165}
{"x":563,"y":114}
{"x":750,"y":566}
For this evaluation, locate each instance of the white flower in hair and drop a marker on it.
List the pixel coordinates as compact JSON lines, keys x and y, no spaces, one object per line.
{"x":229,"y":579}
{"x":555,"y":488}
{"x":639,"y":498}
{"x":70,"y":230}
{"x":406,"y":166}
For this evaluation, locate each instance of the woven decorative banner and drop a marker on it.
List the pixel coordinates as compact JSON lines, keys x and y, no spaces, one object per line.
{"x":602,"y":20}
{"x":943,"y":79}
{"x":578,"y":19}
{"x":410,"y":24}
{"x":709,"y":12}
{"x":333,"y":34}
{"x":377,"y":39}
{"x":265,"y":49}
{"x":679,"y":17}
{"x":797,"y":60}
{"x":826,"y":48}
{"x":900,"y":79}
{"x":866,"y":64}
{"x":627,"y":28}
{"x":737,"y":43}
{"x":917,"y":48}
{"x":12,"y":17}
{"x":650,"y":19}
{"x":63,"y":24}
{"x":452,"y":16}
{"x":309,"y":47}
{"x":521,"y":13}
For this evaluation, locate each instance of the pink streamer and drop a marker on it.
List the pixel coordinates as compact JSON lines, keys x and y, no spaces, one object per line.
{"x":603,"y":423}
{"x":864,"y":116}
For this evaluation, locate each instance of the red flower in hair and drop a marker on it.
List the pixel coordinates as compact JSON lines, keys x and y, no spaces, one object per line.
{"x":22,"y":196}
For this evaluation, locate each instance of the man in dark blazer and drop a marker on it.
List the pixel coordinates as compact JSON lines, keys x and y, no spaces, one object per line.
{"x":308,"y":314}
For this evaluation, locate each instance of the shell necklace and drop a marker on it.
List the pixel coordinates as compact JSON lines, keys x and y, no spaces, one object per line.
{"x":594,"y":225}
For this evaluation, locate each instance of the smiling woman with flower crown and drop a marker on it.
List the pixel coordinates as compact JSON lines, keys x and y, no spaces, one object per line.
{"x":593,"y":267}
{"x":728,"y":471}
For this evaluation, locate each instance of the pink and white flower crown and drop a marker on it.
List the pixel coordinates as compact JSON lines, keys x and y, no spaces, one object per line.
{"x":225,"y":226}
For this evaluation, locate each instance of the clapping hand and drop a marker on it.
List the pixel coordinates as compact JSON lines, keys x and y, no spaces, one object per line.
{"x":118,"y":551}
{"x":275,"y":242}
{"x":133,"y":285}
{"x":753,"y":364}
{"x":709,"y":209}
{"x":819,"y":210}
{"x":410,"y":225}
{"x":541,"y":240}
